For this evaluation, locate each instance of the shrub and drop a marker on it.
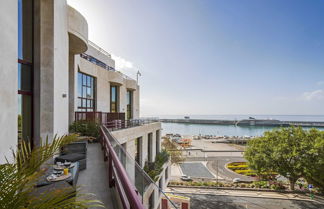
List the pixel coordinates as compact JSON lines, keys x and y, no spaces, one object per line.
{"x":85,"y":128}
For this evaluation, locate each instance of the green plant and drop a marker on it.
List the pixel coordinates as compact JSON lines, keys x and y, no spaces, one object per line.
{"x":173,"y":150}
{"x":291,"y":152}
{"x":154,"y":169}
{"x":18,"y":179}
{"x":85,"y":128}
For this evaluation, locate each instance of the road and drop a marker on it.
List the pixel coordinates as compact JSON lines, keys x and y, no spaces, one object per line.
{"x":235,"y":199}
{"x":218,"y":166}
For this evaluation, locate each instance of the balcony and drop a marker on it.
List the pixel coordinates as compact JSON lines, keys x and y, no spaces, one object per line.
{"x":96,"y":62}
{"x":113,"y":174}
{"x":115,"y":177}
{"x":113,"y":121}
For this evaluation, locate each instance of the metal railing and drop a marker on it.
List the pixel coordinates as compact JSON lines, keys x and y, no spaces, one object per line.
{"x":117,"y":176}
{"x":99,"y":49}
{"x":127,"y":176}
{"x":96,"y":61}
{"x":113,"y":121}
{"x":120,"y":124}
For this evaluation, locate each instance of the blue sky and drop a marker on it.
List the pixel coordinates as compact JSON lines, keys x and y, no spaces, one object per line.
{"x":216,"y":57}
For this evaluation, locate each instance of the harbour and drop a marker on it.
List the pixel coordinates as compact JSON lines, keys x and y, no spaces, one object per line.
{"x":217,"y":129}
{"x":247,"y":122}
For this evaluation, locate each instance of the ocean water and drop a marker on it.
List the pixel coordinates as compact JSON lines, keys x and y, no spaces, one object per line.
{"x":229,"y":130}
{"x":240,"y":117}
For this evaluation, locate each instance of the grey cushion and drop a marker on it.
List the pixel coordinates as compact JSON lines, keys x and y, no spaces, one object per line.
{"x":73,"y":157}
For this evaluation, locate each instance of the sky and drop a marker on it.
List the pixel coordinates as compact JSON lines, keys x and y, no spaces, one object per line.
{"x":209,"y":57}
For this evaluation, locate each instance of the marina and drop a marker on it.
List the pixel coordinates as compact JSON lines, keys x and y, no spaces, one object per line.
{"x":217,"y":130}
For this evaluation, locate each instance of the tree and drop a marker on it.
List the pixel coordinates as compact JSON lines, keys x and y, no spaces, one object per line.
{"x":18,"y":179}
{"x":314,"y":162}
{"x":281,"y":151}
{"x":173,"y":150}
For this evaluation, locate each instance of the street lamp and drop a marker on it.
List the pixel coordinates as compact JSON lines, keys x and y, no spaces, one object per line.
{"x":138,"y":74}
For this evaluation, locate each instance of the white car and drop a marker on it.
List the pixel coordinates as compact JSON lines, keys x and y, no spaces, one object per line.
{"x":236,"y":180}
{"x":186,"y":178}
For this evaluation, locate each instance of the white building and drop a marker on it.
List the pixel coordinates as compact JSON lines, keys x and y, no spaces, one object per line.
{"x":50,"y":70}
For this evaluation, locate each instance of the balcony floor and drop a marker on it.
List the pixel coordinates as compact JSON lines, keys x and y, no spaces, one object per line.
{"x":94,"y":179}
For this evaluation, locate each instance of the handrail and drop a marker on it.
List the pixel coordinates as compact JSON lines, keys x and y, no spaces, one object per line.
{"x":115,"y":143}
{"x":130,"y":191}
{"x":99,"y":48}
{"x":96,"y":61}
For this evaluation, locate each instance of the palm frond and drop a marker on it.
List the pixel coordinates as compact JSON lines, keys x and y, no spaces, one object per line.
{"x":18,"y":179}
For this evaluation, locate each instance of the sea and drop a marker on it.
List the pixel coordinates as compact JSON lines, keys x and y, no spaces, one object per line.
{"x":229,"y":130}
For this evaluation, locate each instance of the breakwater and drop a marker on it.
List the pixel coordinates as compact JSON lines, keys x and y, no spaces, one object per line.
{"x":247,"y":122}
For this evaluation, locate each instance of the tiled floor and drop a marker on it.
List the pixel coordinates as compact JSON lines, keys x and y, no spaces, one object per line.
{"x":94,"y":179}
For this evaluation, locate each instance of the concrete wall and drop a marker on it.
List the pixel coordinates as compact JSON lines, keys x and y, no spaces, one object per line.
{"x":9,"y":77}
{"x":43,"y":70}
{"x":61,"y":69}
{"x":129,"y":135}
{"x":104,"y":79}
{"x":78,"y":30}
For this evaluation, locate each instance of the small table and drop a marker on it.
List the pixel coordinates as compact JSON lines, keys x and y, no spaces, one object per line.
{"x":72,"y":180}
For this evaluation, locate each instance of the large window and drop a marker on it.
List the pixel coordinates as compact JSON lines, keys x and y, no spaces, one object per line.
{"x":25,"y":70}
{"x":149,"y":146}
{"x":86,"y":93}
{"x":129,"y":104}
{"x":158,"y":142}
{"x":114,"y":98}
{"x":138,"y":150}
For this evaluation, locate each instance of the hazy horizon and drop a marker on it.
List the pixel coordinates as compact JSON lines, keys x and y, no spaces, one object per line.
{"x":216,"y":57}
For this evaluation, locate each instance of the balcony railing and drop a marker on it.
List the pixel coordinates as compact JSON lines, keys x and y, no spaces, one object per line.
{"x":113,"y":121}
{"x":130,"y":180}
{"x":96,"y":61}
{"x":99,"y":49}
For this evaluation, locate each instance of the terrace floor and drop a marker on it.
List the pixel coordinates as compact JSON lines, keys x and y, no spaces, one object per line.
{"x":94,"y":179}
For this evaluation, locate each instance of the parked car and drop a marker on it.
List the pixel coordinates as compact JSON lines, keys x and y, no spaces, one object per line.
{"x":186,"y":178}
{"x":236,"y":180}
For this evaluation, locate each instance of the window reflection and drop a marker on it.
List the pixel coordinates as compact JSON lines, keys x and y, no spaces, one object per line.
{"x":113,"y":98}
{"x":25,"y":70}
{"x":86,"y":96}
{"x":129,"y":100}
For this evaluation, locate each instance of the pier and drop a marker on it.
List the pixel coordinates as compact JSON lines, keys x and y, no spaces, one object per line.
{"x":247,"y":122}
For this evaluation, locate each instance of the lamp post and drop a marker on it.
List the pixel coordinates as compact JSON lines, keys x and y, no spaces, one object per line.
{"x":138,"y":74}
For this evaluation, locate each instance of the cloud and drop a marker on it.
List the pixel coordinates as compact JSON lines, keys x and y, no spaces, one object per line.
{"x":320,"y":83}
{"x":313,"y":95}
{"x":121,"y":63}
{"x":125,"y":66}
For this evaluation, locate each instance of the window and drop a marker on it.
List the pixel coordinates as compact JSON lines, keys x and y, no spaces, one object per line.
{"x":138,"y":151}
{"x":129,"y":100}
{"x":25,"y":70}
{"x":166,"y":173}
{"x":114,"y":98}
{"x":149,"y":147}
{"x":158,"y":147}
{"x":86,"y":93}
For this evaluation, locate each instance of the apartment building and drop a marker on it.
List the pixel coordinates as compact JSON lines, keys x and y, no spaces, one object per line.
{"x":51,"y":73}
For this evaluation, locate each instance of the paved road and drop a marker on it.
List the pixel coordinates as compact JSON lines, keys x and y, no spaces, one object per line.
{"x":218,"y":165}
{"x":195,"y":170}
{"x":209,"y":201}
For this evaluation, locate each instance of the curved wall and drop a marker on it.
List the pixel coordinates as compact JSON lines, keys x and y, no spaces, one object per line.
{"x":78,"y":31}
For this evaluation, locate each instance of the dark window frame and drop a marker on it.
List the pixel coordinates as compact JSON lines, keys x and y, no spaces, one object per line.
{"x":116,"y":99}
{"x":84,"y":85}
{"x":21,"y":61}
{"x":129,"y":105}
{"x":149,"y":147}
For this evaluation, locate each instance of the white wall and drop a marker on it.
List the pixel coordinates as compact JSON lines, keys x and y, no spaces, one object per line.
{"x":61,"y":68}
{"x":9,"y":77}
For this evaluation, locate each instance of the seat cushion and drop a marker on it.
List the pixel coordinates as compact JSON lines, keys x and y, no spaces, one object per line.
{"x":73,"y":157}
